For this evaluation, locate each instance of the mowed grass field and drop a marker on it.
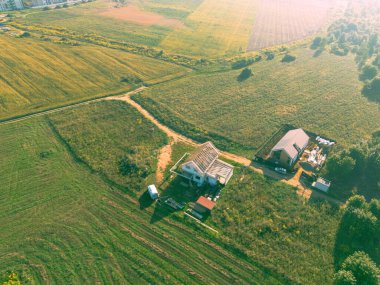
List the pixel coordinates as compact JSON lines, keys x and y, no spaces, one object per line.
{"x":62,"y":224}
{"x":36,"y":75}
{"x":320,"y":94}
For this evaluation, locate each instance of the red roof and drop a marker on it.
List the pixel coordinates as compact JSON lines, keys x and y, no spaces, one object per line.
{"x":203,"y":201}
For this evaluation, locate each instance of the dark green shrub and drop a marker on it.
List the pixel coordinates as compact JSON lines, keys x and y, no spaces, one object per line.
{"x":288,"y":58}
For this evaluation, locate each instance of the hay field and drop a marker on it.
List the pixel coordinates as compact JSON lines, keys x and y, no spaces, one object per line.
{"x":320,"y":94}
{"x":36,"y":75}
{"x":216,"y":28}
{"x":62,"y":224}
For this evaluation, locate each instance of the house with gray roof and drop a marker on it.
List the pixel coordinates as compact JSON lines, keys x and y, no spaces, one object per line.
{"x":204,"y":166}
{"x":291,"y":146}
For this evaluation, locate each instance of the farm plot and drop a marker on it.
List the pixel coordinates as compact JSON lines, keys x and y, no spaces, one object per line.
{"x":216,"y":27}
{"x":135,"y":15}
{"x":62,"y":224}
{"x":86,"y":18}
{"x":36,"y":75}
{"x":279,"y":22}
{"x":320,"y":94}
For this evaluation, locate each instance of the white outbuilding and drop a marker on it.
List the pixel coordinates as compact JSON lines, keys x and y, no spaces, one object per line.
{"x":153,"y":193}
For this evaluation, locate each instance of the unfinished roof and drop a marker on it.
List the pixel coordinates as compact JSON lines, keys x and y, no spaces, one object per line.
{"x":204,"y":156}
{"x":291,"y":141}
{"x":206,"y":203}
{"x":220,"y":169}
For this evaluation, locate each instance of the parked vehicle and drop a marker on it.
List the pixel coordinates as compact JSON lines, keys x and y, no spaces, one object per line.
{"x":280,"y":170}
{"x":153,"y":193}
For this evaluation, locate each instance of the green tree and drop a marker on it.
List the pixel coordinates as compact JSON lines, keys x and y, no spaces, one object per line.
{"x":340,"y":166}
{"x":372,"y":89}
{"x":368,"y":72}
{"x":344,"y":277}
{"x":362,"y":268}
{"x":356,"y":202}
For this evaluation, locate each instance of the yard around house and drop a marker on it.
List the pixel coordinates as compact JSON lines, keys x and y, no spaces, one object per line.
{"x":320,"y":94}
{"x":81,"y":201}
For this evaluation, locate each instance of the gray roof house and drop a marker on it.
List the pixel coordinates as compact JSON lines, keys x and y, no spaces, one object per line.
{"x":204,"y":166}
{"x":289,"y":148}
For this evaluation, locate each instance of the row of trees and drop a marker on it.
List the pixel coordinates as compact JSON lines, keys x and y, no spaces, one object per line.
{"x":358,"y":243}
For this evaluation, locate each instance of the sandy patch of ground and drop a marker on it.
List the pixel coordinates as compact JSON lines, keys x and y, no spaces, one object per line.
{"x":164,"y":158}
{"x":135,"y":15}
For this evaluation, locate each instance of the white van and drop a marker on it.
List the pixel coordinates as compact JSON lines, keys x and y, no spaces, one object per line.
{"x":152,"y":190}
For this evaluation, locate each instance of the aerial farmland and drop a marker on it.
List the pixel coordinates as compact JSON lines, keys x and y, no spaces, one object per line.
{"x":190,"y":142}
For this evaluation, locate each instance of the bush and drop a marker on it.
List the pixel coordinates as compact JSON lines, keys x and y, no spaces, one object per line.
{"x":288,"y":58}
{"x":241,"y":63}
{"x":131,"y":79}
{"x":65,"y":6}
{"x":269,"y":55}
{"x":46,"y":8}
{"x":245,"y":74}
{"x":316,"y":43}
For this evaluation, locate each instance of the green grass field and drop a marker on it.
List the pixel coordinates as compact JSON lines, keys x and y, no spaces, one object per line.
{"x":104,"y":133}
{"x":259,"y":217}
{"x":36,"y":75}
{"x":62,"y":224}
{"x":319,"y":94}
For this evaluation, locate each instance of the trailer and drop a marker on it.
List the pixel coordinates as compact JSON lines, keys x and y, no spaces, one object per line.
{"x":153,"y":193}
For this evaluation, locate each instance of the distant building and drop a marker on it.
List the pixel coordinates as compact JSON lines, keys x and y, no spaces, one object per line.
{"x":288,"y":150}
{"x":204,"y":166}
{"x":37,"y":3}
{"x":8,"y":5}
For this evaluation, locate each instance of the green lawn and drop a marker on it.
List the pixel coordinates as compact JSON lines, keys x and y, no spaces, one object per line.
{"x":36,"y":75}
{"x":319,"y":94}
{"x":62,"y":224}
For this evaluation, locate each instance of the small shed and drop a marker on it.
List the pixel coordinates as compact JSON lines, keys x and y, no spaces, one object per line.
{"x":153,"y":193}
{"x":322,"y":184}
{"x":204,"y":205}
